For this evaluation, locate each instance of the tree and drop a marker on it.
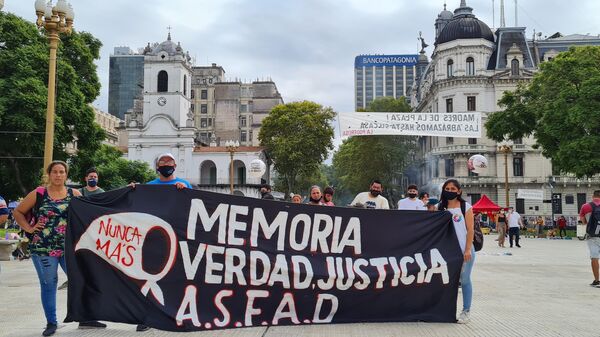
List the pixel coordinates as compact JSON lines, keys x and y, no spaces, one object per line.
{"x":115,"y":171}
{"x":298,"y":137}
{"x":361,"y":159}
{"x":23,"y":98}
{"x":560,"y":108}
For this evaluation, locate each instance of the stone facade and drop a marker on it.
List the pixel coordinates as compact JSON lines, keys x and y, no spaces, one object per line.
{"x":471,"y":73}
{"x":230,"y":110}
{"x":109,"y":124}
{"x":167,"y":119}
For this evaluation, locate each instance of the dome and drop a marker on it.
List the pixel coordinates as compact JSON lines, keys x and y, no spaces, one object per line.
{"x":167,"y":46}
{"x":465,"y":27}
{"x":445,"y":14}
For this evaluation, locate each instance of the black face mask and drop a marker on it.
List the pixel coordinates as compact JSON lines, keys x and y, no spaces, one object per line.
{"x":449,"y":195}
{"x":375,"y":193}
{"x":315,"y":201}
{"x":412,"y":195}
{"x":166,"y":171}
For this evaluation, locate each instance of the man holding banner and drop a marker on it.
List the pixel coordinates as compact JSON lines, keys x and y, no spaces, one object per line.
{"x":372,"y":199}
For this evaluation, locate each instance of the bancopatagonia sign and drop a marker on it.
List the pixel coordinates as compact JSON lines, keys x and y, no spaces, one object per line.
{"x":385,"y":60}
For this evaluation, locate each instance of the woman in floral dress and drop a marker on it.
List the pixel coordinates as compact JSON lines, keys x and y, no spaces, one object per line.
{"x":46,"y":233}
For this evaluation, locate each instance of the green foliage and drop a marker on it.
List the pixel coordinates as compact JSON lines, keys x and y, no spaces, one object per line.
{"x":359,"y":160}
{"x":297,"y":136}
{"x":23,"y":98}
{"x":115,"y":171}
{"x":561,"y":109}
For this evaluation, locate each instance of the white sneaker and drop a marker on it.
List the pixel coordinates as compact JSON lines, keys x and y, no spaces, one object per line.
{"x":464,"y":317}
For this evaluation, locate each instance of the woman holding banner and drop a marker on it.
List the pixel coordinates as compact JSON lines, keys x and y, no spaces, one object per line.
{"x":48,"y":206}
{"x":462,"y":218}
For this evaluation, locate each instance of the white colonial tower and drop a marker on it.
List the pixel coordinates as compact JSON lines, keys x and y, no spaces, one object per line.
{"x":166,"y":122}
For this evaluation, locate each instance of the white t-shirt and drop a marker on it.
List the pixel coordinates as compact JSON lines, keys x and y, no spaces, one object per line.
{"x":368,"y":201}
{"x":411,"y":204}
{"x":460,"y":226}
{"x":513,"y":219}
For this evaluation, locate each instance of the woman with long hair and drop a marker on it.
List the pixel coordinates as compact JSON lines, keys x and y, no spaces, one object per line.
{"x":46,"y":231}
{"x":462,"y":218}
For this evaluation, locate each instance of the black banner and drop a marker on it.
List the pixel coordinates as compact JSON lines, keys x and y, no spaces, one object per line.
{"x":184,"y":260}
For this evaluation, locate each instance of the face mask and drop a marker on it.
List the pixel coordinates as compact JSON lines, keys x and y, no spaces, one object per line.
{"x":449,"y":195}
{"x":375,"y":193}
{"x":166,"y":171}
{"x":314,"y":200}
{"x":412,"y":195}
{"x":92,"y":182}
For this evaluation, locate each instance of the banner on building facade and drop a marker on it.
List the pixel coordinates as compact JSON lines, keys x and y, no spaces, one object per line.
{"x":454,"y":124}
{"x":185,"y":260}
{"x":530,"y":194}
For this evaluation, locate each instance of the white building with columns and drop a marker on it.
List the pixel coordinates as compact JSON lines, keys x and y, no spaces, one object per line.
{"x":163,"y":121}
{"x":471,"y":67}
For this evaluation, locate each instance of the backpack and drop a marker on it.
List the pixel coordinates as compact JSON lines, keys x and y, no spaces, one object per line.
{"x":478,"y":234}
{"x":31,"y":216}
{"x":593,"y":225}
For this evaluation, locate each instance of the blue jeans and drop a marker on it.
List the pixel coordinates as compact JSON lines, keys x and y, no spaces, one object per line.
{"x":465,"y":281}
{"x":47,"y":271}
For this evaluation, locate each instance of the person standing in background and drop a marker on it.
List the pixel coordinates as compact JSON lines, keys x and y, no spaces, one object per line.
{"x":91,"y":181}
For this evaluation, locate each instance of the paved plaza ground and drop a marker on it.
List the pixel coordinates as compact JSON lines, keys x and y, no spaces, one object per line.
{"x":541,"y":290}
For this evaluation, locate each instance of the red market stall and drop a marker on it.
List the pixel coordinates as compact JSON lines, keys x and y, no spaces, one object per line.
{"x":485,"y":205}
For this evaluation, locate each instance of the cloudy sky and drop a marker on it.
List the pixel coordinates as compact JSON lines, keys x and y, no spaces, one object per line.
{"x":306,"y":46}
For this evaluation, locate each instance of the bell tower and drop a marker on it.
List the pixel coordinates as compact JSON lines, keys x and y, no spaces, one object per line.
{"x":167,"y":83}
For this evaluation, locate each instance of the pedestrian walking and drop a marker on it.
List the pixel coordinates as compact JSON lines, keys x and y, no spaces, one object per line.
{"x":372,"y":199}
{"x":514,"y":225}
{"x":48,"y":206}
{"x":411,"y":202}
{"x":590,"y":216}
{"x":462,"y":218}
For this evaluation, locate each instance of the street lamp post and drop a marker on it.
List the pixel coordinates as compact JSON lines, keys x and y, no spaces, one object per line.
{"x":55,"y":20}
{"x":506,"y":149}
{"x":551,"y":182}
{"x":231,"y":147}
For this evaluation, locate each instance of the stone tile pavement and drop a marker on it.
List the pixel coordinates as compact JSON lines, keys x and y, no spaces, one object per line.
{"x":540,"y":290}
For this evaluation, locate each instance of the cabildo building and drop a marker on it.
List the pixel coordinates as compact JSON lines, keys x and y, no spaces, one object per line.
{"x":471,"y":67}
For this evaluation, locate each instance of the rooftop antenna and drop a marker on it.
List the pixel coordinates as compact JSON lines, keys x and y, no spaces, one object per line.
{"x":502,"y":21}
{"x":516,"y":14}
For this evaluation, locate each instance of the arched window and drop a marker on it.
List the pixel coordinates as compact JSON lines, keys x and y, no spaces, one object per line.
{"x":184,"y":85}
{"x":470,"y":66}
{"x":514,"y":67}
{"x":163,"y":81}
{"x":450,"y":68}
